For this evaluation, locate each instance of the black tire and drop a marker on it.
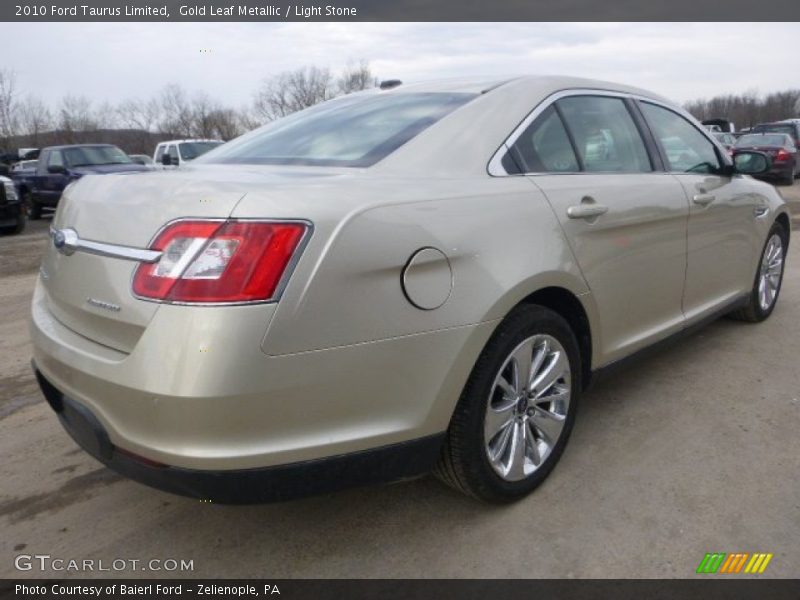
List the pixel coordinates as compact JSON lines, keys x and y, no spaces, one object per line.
{"x":17,"y":228}
{"x":753,"y":312}
{"x":32,"y":208}
{"x":464,"y":464}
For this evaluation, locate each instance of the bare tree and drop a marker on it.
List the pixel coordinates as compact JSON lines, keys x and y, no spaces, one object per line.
{"x":176,"y":112}
{"x":291,"y":91}
{"x":35,"y":118}
{"x":748,"y":109}
{"x":139,"y":114}
{"x":356,"y":77}
{"x":75,"y":117}
{"x":246,"y":119}
{"x":224,"y":124}
{"x":8,"y":104}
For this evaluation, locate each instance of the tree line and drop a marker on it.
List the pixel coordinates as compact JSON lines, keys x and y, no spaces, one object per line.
{"x":137,"y":124}
{"x":749,"y":108}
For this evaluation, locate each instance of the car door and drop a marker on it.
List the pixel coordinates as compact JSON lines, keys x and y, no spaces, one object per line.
{"x":53,"y":183}
{"x":172,"y":151}
{"x":624,"y":219}
{"x":723,"y":240}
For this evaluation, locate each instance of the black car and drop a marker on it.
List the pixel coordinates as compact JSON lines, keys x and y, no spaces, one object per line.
{"x":780,"y":147}
{"x":12,"y":216}
{"x":790,"y":127}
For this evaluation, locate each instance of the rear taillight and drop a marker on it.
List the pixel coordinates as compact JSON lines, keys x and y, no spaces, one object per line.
{"x":781,"y":155}
{"x":219,"y":261}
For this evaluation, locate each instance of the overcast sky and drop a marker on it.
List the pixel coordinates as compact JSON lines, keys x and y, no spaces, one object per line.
{"x":114,"y":61}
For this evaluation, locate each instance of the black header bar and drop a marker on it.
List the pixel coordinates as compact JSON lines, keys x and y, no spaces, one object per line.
{"x":397,"y":10}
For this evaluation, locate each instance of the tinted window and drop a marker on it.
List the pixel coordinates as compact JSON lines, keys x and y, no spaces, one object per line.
{"x":173,"y":153}
{"x":687,"y":150}
{"x":545,"y":147}
{"x":159,"y":153}
{"x":605,"y":135}
{"x":95,"y":155}
{"x":191,"y":150}
{"x":764,"y":139}
{"x":353,"y":131}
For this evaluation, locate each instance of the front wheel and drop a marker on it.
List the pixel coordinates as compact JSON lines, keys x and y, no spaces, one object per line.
{"x":768,"y":279}
{"x":517,"y":410}
{"x":18,"y":227}
{"x":32,"y":208}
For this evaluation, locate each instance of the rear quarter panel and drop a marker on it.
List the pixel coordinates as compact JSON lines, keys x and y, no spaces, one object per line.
{"x":500,"y":237}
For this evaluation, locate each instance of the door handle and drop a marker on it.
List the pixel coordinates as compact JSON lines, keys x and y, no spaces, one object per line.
{"x":760,"y":211}
{"x":587,"y":209}
{"x":703,"y":199}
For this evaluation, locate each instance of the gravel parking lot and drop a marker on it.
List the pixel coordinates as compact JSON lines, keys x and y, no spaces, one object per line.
{"x":692,"y":450}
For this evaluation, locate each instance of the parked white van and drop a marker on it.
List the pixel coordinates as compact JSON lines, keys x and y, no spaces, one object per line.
{"x":176,"y":152}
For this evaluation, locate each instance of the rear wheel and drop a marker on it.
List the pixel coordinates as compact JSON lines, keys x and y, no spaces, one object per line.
{"x":768,"y":279}
{"x":32,"y":208}
{"x":517,"y":410}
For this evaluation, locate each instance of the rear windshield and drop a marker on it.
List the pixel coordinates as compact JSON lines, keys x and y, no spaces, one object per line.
{"x":762,"y":140}
{"x":353,"y":131}
{"x":776,"y":128}
{"x":191,"y":150}
{"x":89,"y":156}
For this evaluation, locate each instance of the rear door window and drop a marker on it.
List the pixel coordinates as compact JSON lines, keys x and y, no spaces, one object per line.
{"x":545,"y":146}
{"x":605,"y":134}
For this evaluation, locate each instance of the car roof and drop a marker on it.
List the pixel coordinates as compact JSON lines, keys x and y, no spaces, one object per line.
{"x":67,"y":146}
{"x":188,"y":140}
{"x":541,"y":83}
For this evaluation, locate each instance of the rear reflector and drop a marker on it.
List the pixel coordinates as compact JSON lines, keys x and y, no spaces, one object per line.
{"x":219,"y":261}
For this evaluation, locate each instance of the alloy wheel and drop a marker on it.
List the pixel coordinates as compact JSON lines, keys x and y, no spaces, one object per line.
{"x":769,"y":280}
{"x":527,"y":407}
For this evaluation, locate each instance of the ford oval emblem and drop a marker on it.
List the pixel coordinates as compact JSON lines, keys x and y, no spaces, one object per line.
{"x":65,"y":241}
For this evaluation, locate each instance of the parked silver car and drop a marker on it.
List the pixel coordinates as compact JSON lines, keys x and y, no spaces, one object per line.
{"x":423,"y":277}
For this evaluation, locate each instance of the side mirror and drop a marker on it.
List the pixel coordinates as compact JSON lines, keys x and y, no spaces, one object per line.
{"x":166,"y":160}
{"x":57,"y":169}
{"x":751,"y":163}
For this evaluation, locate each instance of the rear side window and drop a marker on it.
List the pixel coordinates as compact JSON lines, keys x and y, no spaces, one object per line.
{"x":545,"y":147}
{"x":352,"y":131}
{"x":605,"y":134}
{"x":687,"y":150}
{"x":56,"y":159}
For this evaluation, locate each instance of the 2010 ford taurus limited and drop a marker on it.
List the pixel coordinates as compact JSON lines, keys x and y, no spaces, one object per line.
{"x":396,"y":281}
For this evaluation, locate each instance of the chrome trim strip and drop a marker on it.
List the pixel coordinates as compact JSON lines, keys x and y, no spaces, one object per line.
{"x":68,"y":242}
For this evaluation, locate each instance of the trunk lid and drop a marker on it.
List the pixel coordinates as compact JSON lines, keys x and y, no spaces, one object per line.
{"x":92,"y":295}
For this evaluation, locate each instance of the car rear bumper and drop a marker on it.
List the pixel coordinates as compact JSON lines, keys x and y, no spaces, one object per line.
{"x":235,"y":409}
{"x":245,"y":486}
